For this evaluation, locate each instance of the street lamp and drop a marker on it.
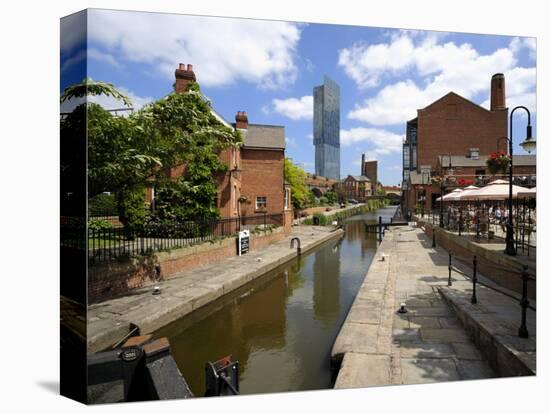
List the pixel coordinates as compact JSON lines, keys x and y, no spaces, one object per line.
{"x":442,"y":187}
{"x":529,"y":144}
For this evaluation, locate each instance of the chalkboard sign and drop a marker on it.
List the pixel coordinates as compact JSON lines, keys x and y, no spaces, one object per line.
{"x":243,"y":245}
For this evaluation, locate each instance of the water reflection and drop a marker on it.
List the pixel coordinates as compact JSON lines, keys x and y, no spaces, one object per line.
{"x":281,"y":327}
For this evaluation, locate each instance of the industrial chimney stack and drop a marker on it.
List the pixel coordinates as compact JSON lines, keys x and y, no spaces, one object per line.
{"x":498,"y":92}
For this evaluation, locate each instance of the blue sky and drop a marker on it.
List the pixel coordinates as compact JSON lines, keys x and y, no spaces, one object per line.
{"x":269,"y":69}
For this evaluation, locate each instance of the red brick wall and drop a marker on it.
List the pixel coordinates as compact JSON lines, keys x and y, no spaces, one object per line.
{"x":454,"y":125}
{"x":489,"y":268}
{"x":263,"y":175}
{"x":371,"y":171}
{"x":111,"y":280}
{"x":227,"y":183}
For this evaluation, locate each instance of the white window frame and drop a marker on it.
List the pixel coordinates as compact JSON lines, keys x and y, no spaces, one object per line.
{"x":264,"y":203}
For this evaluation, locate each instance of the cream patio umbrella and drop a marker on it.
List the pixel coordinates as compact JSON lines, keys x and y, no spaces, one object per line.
{"x":495,"y":190}
{"x":453,"y":195}
{"x":467,"y":190}
{"x":530,"y":193}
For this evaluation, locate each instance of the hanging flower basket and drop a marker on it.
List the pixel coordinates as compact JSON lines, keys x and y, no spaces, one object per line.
{"x":436,"y":180}
{"x":498,"y":162}
{"x":463,"y":182}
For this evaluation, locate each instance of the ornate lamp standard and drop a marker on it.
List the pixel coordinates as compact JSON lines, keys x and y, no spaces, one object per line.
{"x":529,"y":144}
{"x":442,"y":188}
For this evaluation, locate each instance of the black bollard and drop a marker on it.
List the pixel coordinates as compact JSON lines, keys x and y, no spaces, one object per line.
{"x":379,"y":228}
{"x":523,"y":333}
{"x":450,"y":282}
{"x":460,"y":222}
{"x":433,"y":237}
{"x":474,"y":281}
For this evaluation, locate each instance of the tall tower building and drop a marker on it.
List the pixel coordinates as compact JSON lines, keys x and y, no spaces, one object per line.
{"x":326,"y":129}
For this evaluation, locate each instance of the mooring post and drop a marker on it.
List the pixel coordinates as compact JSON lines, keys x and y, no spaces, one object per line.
{"x":379,"y":228}
{"x":523,"y":333}
{"x":474,"y":281}
{"x":450,"y":282}
{"x":433,"y":237}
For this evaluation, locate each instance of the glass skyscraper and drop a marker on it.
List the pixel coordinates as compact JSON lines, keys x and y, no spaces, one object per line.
{"x":326,"y":129}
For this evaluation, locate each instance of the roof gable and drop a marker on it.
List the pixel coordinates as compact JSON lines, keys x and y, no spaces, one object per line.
{"x":447,"y":97}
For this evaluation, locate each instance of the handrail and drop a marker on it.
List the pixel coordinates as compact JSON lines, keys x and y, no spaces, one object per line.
{"x":523,"y":301}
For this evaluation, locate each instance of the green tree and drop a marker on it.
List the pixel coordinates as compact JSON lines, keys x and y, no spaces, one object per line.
{"x":89,"y":87}
{"x":332,"y":197}
{"x":186,"y":133}
{"x":296,"y":177}
{"x":127,"y":154}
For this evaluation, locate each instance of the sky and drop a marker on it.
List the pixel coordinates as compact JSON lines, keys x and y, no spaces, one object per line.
{"x":269,"y":70}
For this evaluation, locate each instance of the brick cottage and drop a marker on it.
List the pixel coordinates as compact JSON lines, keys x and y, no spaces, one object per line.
{"x":254,"y":183}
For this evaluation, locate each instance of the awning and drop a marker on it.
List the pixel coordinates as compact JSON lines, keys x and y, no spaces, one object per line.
{"x":496,"y":190}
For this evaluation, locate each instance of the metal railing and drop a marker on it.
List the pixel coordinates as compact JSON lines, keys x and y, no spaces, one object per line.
{"x":119,"y":243}
{"x":485,"y":225}
{"x":523,"y":301}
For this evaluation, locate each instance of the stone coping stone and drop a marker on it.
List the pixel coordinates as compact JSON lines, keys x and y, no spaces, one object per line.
{"x":109,"y":321}
{"x":508,"y":354}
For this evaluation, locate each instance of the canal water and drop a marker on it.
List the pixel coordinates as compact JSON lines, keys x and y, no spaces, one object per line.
{"x":282,"y":326}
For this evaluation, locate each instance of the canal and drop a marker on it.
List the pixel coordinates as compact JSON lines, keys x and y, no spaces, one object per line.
{"x":282,"y":326}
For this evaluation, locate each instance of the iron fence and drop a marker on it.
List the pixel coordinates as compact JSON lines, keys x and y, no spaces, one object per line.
{"x":480,"y":219}
{"x":523,"y":273}
{"x":119,"y":242}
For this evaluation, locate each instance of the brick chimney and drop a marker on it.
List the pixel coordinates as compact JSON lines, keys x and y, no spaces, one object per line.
{"x":362,"y":164}
{"x":184,"y":76}
{"x":498,"y":92}
{"x":241,"y":120}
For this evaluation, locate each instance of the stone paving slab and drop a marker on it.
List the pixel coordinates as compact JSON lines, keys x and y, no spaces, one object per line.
{"x":376,"y":371}
{"x":426,"y":344}
{"x":109,"y":321}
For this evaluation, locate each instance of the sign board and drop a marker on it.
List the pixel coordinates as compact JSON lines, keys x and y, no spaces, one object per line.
{"x":243,"y":245}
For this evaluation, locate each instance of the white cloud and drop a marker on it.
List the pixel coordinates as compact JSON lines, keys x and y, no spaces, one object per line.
{"x":382,"y":142}
{"x":103,"y":57}
{"x":310,"y":67}
{"x":291,"y":142}
{"x":366,"y":63}
{"x":529,"y":43}
{"x":73,"y":32}
{"x":520,"y":89}
{"x":223,"y":51}
{"x":295,"y":108}
{"x":77,"y":57}
{"x":443,"y":68}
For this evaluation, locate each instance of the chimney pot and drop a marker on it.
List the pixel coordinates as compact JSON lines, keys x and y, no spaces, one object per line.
{"x":241,"y":120}
{"x":184,"y":77}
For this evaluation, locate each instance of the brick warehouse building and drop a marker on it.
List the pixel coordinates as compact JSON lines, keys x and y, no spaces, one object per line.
{"x":254,"y":183}
{"x":453,"y":126}
{"x":370,"y":169}
{"x":357,"y":188}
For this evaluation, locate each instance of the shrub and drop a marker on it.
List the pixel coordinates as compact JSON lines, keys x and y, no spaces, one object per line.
{"x":323,"y":220}
{"x":102,"y":205}
{"x":99,"y":224}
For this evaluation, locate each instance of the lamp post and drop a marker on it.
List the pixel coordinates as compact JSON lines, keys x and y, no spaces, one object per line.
{"x":529,"y":144}
{"x":442,"y":188}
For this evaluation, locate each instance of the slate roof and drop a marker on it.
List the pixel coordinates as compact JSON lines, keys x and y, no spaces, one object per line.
{"x":264,"y":136}
{"x":360,"y":178}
